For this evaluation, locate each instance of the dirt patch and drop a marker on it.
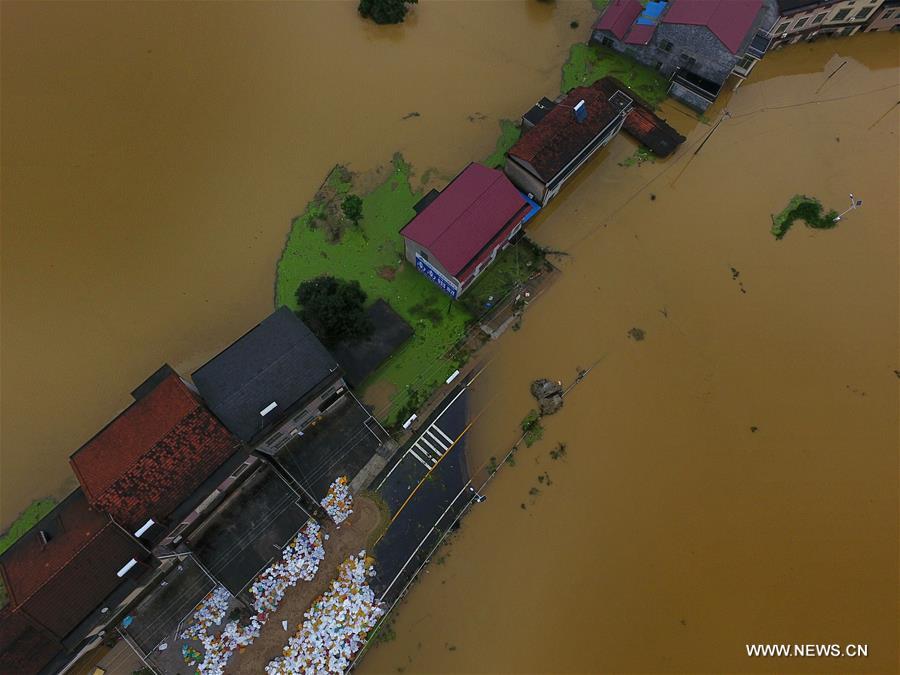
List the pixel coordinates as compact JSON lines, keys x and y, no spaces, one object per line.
{"x":387,"y":272}
{"x":350,"y":539}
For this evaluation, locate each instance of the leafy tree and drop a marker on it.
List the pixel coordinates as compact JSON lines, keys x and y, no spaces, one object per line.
{"x":333,"y":309}
{"x":385,"y":11}
{"x":352,"y":208}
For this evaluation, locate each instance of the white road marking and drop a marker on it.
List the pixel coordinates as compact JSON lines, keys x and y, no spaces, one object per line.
{"x":427,"y":466}
{"x":437,"y":440}
{"x":441,"y":432}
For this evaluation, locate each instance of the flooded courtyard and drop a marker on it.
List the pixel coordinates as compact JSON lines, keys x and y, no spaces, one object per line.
{"x":729,"y":478}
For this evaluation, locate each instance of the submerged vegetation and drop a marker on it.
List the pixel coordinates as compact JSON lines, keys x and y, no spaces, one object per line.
{"x":509,"y":134}
{"x":807,"y":209}
{"x":589,"y":63}
{"x":531,"y":427}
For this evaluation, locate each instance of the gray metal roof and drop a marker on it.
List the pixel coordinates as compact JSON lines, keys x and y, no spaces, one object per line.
{"x":279,"y":361}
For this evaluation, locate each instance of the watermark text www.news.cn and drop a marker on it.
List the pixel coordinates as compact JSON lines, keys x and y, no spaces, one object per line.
{"x":835,"y":650}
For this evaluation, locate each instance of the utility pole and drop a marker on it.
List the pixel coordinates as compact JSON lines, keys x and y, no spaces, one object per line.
{"x":854,"y":204}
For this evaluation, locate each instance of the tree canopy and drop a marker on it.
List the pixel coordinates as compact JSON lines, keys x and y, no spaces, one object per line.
{"x":385,"y":11}
{"x":333,"y":309}
{"x":352,"y":207}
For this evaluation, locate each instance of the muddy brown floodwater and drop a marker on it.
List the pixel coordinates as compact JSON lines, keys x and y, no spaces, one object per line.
{"x":732,"y":477}
{"x":153,"y":155}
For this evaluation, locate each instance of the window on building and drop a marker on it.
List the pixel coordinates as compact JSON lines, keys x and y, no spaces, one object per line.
{"x":783,"y":27}
{"x":840,"y":16}
{"x":864,"y":12}
{"x":800,"y":23}
{"x":819,"y":17}
{"x":746,"y":63}
{"x":849,"y":30}
{"x":666,"y":46}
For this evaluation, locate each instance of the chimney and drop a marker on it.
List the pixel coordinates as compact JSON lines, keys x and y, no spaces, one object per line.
{"x":580,"y":111}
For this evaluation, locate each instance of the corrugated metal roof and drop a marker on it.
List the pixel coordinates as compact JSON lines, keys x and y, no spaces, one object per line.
{"x":618,"y":16}
{"x":466,"y":216}
{"x":729,"y":20}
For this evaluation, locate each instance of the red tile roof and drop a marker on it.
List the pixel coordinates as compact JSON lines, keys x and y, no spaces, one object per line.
{"x":466,"y":216}
{"x":558,"y":138}
{"x":618,"y":16}
{"x":58,"y":584}
{"x":153,"y":455}
{"x":729,"y":20}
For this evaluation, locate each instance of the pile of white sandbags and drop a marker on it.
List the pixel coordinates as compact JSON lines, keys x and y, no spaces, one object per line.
{"x":300,"y":560}
{"x":338,"y":503}
{"x":335,"y":627}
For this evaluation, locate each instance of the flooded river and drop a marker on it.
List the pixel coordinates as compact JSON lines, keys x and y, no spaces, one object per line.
{"x":729,"y":478}
{"x":732,"y":477}
{"x":153,"y":155}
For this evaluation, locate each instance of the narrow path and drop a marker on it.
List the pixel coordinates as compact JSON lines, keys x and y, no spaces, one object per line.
{"x":348,"y":540}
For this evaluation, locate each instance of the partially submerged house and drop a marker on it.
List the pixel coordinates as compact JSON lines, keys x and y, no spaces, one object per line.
{"x":64,"y":578}
{"x":807,"y":20}
{"x":458,"y":232}
{"x":272,"y":382}
{"x":697,"y":44}
{"x":156,"y":465}
{"x":560,"y":136}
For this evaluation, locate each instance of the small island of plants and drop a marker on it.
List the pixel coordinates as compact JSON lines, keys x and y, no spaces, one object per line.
{"x":807,"y":209}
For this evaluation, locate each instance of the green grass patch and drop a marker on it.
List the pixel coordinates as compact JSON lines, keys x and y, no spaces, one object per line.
{"x":512,"y":267}
{"x":589,"y":63}
{"x":364,"y":253}
{"x":29,"y":518}
{"x":807,"y":209}
{"x":509,"y":134}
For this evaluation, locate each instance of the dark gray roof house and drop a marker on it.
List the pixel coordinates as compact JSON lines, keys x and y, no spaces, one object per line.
{"x":275,"y":370}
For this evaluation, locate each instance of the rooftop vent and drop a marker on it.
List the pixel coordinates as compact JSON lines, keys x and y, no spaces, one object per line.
{"x":580,"y":110}
{"x":45,"y":536}
{"x":269,"y":408}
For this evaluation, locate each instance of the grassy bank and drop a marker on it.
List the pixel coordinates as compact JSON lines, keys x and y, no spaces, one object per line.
{"x":807,"y":209}
{"x":372,"y":254}
{"x":509,"y":134}
{"x":29,"y":518}
{"x":589,"y":63}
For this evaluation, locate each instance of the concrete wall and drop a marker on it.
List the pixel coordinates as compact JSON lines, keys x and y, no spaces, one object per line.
{"x":886,"y":18}
{"x":279,"y":436}
{"x":525,"y":181}
{"x":413,"y":248}
{"x":689,"y":98}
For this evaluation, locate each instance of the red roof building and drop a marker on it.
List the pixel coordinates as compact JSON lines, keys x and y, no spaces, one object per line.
{"x":728,"y":20}
{"x":457,"y":233}
{"x":60,"y":573}
{"x":553,"y":149}
{"x":153,"y":456}
{"x":618,"y":17}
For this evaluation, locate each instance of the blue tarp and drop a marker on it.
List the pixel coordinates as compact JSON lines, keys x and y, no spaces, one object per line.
{"x":651,"y":13}
{"x":535,"y":207}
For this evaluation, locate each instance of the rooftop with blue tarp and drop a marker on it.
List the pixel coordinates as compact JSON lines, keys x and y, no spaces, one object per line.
{"x":535,"y":207}
{"x":650,"y":15}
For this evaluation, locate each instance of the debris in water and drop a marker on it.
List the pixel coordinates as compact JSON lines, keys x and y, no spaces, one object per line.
{"x":560,"y":451}
{"x":734,"y":273}
{"x":753,"y":430}
{"x":637,"y":334}
{"x":548,"y":395}
{"x":412,"y":114}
